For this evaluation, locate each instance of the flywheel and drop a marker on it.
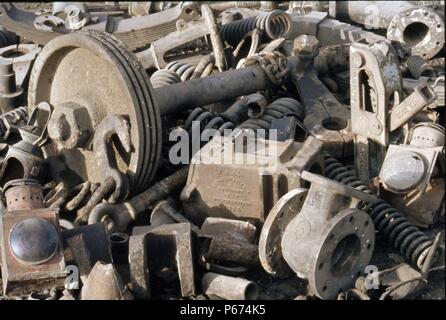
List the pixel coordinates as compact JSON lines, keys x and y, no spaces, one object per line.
{"x":86,"y":76}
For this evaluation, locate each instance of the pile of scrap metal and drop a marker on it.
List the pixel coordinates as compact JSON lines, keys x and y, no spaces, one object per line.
{"x":115,"y":118}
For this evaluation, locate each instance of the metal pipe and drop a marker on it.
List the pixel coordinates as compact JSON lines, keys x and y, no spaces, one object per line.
{"x":229,"y":288}
{"x":362,"y":11}
{"x":124,"y":213}
{"x":200,"y":92}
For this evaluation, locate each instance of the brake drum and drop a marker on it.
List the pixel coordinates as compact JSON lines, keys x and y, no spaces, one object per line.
{"x":86,"y":76}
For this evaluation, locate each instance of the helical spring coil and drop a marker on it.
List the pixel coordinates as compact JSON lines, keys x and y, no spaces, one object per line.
{"x":208,"y":119}
{"x":419,"y":67}
{"x":276,"y":110}
{"x":410,"y":240}
{"x":164,"y":77}
{"x":276,"y":24}
{"x":12,"y":117}
{"x":187,"y":71}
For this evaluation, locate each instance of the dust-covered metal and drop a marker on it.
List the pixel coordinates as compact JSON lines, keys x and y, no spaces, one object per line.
{"x":173,"y":150}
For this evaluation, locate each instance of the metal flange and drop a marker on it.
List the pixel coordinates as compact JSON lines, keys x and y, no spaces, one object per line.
{"x":270,"y":250}
{"x":87,"y":76}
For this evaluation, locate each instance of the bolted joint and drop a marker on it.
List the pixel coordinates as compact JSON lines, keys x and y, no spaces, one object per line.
{"x":70,"y":126}
{"x":307,"y":46}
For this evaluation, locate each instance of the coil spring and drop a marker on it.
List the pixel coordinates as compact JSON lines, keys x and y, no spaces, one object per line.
{"x":276,"y":24}
{"x":164,"y":77}
{"x":187,"y":71}
{"x":418,"y":67}
{"x":410,"y":240}
{"x":12,"y":117}
{"x":209,"y":119}
{"x":276,"y":110}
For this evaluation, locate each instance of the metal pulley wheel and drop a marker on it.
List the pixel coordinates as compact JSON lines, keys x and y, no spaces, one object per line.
{"x":87,"y":76}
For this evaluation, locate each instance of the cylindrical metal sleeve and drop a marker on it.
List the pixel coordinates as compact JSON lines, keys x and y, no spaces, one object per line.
{"x":200,"y":92}
{"x":229,"y":288}
{"x":241,"y":253}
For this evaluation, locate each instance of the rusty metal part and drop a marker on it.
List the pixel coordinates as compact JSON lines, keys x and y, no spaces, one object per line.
{"x":75,"y":17}
{"x":247,"y":189}
{"x":327,"y":119}
{"x":222,"y":86}
{"x":137,"y":32}
{"x":375,"y":86}
{"x":58,"y":8}
{"x":165,"y":212}
{"x":155,"y":56}
{"x":401,"y":113}
{"x":11,"y":94}
{"x":143,"y":160}
{"x":148,"y":255}
{"x":419,"y":67}
{"x":48,"y":23}
{"x":275,"y":24}
{"x":32,"y":256}
{"x":23,"y":159}
{"x":164,"y":77}
{"x":216,"y":41}
{"x":229,"y":288}
{"x":276,"y":110}
{"x":418,"y":27}
{"x":188,"y":71}
{"x":229,"y":229}
{"x":99,"y":194}
{"x":422,"y":209}
{"x":403,"y":235}
{"x":139,"y":265}
{"x":110,"y":126}
{"x":270,"y":249}
{"x":421,"y":29}
{"x":179,"y":237}
{"x":326,"y":242}
{"x":104,"y":283}
{"x":140,"y":8}
{"x":329,"y":31}
{"x":7,"y":38}
{"x":401,"y":282}
{"x":86,"y":245}
{"x":159,"y":216}
{"x":22,"y":57}
{"x":12,"y":119}
{"x":427,"y":134}
{"x":122,"y":214}
{"x":226,"y":5}
{"x":98,"y":59}
{"x":119,"y":246}
{"x":21,"y":22}
{"x":252,"y":106}
{"x":225,"y":250}
{"x":28,"y":191}
{"x":82,"y":192}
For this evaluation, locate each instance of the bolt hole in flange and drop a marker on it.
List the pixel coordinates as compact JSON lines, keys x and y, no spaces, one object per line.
{"x":415,"y":33}
{"x":345,"y":256}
